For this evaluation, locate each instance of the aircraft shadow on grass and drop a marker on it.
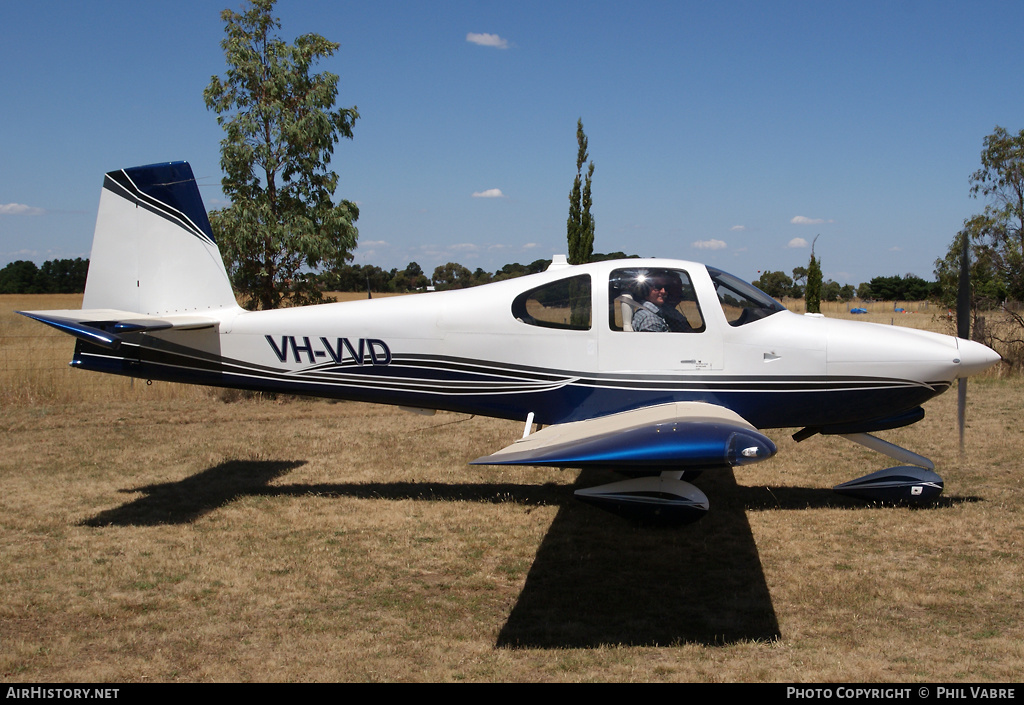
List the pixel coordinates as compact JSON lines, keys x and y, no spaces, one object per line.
{"x":596,"y":580}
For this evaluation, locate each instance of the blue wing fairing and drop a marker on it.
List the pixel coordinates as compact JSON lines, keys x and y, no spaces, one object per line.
{"x":683,"y":434}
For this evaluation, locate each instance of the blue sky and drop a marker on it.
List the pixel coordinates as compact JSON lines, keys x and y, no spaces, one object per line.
{"x":730,"y":133}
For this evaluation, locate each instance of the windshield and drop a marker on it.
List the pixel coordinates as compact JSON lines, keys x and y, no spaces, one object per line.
{"x":742,"y":302}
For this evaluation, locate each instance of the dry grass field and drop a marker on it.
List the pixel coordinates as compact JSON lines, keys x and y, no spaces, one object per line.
{"x":165,"y":533}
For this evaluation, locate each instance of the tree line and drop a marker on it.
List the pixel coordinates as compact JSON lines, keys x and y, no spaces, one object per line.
{"x":57,"y":276}
{"x":452,"y":275}
{"x":908,"y":287}
{"x":67,"y":276}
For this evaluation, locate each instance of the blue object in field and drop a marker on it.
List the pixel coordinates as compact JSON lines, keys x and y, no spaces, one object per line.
{"x":899,"y":310}
{"x":858,"y":310}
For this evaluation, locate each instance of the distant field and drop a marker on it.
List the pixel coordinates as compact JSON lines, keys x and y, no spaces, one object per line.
{"x":157,"y":533}
{"x":925,"y":315}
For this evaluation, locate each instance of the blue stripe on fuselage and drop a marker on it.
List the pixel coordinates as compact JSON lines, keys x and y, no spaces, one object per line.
{"x":491,"y":389}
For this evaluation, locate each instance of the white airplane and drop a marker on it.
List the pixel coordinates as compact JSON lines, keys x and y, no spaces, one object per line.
{"x":656,"y":367}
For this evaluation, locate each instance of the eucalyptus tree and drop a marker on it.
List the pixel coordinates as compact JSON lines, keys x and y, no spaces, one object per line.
{"x":283,"y":225}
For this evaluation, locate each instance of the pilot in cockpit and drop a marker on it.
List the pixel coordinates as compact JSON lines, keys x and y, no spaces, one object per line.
{"x":659,"y":296}
{"x":650,"y":292}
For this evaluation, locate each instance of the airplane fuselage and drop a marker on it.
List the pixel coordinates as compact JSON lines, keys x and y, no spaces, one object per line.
{"x":482,"y":351}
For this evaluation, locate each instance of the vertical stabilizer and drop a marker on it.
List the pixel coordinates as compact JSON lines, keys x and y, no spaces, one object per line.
{"x":153,"y":251}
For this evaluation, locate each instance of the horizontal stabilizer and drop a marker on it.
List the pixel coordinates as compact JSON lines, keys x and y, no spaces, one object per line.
{"x":105,"y":326}
{"x":693,"y":434}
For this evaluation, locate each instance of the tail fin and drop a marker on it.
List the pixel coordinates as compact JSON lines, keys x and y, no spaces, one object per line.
{"x":153,"y":251}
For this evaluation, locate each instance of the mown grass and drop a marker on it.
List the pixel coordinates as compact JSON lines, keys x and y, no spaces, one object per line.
{"x":151,"y":534}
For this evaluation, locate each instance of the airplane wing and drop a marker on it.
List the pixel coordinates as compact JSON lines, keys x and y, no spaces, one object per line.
{"x":676,"y":434}
{"x":106,"y":326}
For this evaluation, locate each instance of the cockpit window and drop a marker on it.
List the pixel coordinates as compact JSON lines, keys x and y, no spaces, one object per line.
{"x":642,"y":299}
{"x":742,"y":302}
{"x":562,"y":304}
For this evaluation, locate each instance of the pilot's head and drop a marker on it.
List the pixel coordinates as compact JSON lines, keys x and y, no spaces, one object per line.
{"x":650,"y":288}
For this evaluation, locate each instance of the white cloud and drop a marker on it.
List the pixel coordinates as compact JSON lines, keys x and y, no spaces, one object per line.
{"x":738,"y":228}
{"x":373,"y":243}
{"x":709,"y":245}
{"x":489,"y":193}
{"x":804,"y":220}
{"x":6,"y":257}
{"x":487,"y":40}
{"x":19,"y":209}
{"x":797,"y":242}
